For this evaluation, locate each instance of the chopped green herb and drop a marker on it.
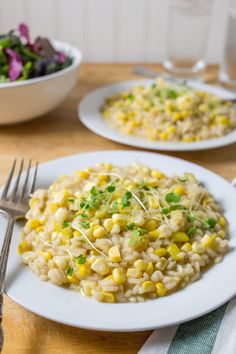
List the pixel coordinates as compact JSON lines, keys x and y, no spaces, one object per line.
{"x":125,"y":199}
{"x":130,"y":226}
{"x":136,"y":233}
{"x":192,"y":231}
{"x":111,"y":188}
{"x":209,"y":223}
{"x":154,"y":85}
{"x":131,"y":97}
{"x":69,"y":271}
{"x":173,"y":197}
{"x":165,"y":210}
{"x":85,"y":224}
{"x":182,"y":179}
{"x":66,"y":224}
{"x":81,"y":259}
{"x":94,"y":191}
{"x":191,"y":218}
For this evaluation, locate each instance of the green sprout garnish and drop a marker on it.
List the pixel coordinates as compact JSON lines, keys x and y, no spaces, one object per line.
{"x":71,"y":200}
{"x":66,"y":224}
{"x":69,"y":271}
{"x":111,"y":188}
{"x":192,"y":231}
{"x":172,"y":197}
{"x":131,"y":97}
{"x":182,"y":179}
{"x":85,"y":224}
{"x":125,"y":199}
{"x":209,"y":223}
{"x":130,"y":226}
{"x":191,"y":218}
{"x":94,"y":191}
{"x":165,"y":210}
{"x":81,"y":259}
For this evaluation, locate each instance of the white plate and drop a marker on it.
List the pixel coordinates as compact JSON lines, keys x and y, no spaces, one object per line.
{"x":215,"y":287}
{"x":90,"y":115}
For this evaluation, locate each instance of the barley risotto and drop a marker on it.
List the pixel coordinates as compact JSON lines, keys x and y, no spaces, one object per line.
{"x":123,"y":234}
{"x":167,"y":112}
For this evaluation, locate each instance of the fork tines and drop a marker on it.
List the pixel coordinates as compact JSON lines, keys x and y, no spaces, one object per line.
{"x":20,"y":189}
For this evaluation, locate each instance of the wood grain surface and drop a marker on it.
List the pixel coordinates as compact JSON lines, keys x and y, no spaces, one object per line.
{"x":59,"y":134}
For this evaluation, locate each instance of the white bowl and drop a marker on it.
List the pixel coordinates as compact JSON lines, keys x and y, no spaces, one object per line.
{"x":23,"y":100}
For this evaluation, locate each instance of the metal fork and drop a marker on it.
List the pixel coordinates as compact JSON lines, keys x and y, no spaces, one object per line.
{"x":14,"y":205}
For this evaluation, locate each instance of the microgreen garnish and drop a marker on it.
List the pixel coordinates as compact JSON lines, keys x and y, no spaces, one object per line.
{"x":191,"y":218}
{"x":84,"y":215}
{"x":153,"y":85}
{"x":131,"y":97}
{"x":85,"y":224}
{"x":111,"y":188}
{"x":182,"y":179}
{"x":81,"y":259}
{"x":192,"y":231}
{"x":130,"y":226}
{"x":165,"y":210}
{"x":84,"y":204}
{"x":125,"y":199}
{"x":69,"y":271}
{"x":136,"y":233}
{"x":94,"y":191}
{"x":66,"y":224}
{"x":209,"y":223}
{"x":70,"y":200}
{"x":172,"y":197}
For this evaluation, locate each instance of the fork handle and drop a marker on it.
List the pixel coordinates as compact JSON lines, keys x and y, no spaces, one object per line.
{"x":3,"y":267}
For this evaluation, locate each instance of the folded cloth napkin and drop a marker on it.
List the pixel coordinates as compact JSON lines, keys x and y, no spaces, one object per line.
{"x":214,"y":333}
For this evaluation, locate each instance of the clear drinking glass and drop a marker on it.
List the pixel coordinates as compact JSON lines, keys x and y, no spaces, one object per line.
{"x":228,"y":65}
{"x":187,"y":34}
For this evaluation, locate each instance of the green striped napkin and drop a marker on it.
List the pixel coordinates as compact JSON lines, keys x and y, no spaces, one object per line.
{"x":214,"y":333}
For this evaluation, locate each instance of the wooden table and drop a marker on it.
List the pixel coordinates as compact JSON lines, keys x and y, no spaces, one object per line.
{"x":59,"y":134}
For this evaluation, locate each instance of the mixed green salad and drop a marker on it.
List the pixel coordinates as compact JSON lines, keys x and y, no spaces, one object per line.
{"x":23,"y":59}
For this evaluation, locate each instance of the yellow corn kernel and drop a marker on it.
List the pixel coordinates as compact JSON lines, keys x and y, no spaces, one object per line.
{"x":46,"y":255}
{"x":198,"y":247}
{"x":180,"y":237}
{"x":107,"y":297}
{"x":154,"y":233}
{"x":161,"y":290}
{"x":187,"y":139}
{"x":108,"y":166}
{"x":157,"y":174}
{"x":76,"y":233}
{"x":39,"y":229}
{"x":161,"y":252}
{"x":174,"y":251}
{"x":222,"y":221}
{"x":179,"y":190}
{"x":73,"y":279}
{"x":208,"y":241}
{"x":83,"y":270}
{"x":187,"y":247}
{"x":33,"y":224}
{"x":163,"y":136}
{"x":221,"y":233}
{"x":108,"y":224}
{"x":202,"y":108}
{"x":53,"y":207}
{"x":67,"y":233}
{"x":140,"y":264}
{"x":148,"y":286}
{"x":83,"y":174}
{"x":171,"y":129}
{"x":134,"y":273}
{"x":100,"y":266}
{"x":177,"y":116}
{"x":149,"y":269}
{"x":224,"y":120}
{"x":103,"y":178}
{"x":114,"y":254}
{"x":152,"y":202}
{"x":23,"y":247}
{"x":102,"y":212}
{"x":99,"y":231}
{"x":57,"y":226}
{"x":118,"y":275}
{"x":150,"y":224}
{"x":117,"y":218}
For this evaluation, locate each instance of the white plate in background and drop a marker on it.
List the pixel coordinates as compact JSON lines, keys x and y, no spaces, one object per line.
{"x":67,"y":306}
{"x":89,"y":112}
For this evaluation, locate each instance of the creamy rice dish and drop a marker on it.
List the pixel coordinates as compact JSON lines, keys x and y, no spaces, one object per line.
{"x":169,"y":113}
{"x":123,"y":234}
